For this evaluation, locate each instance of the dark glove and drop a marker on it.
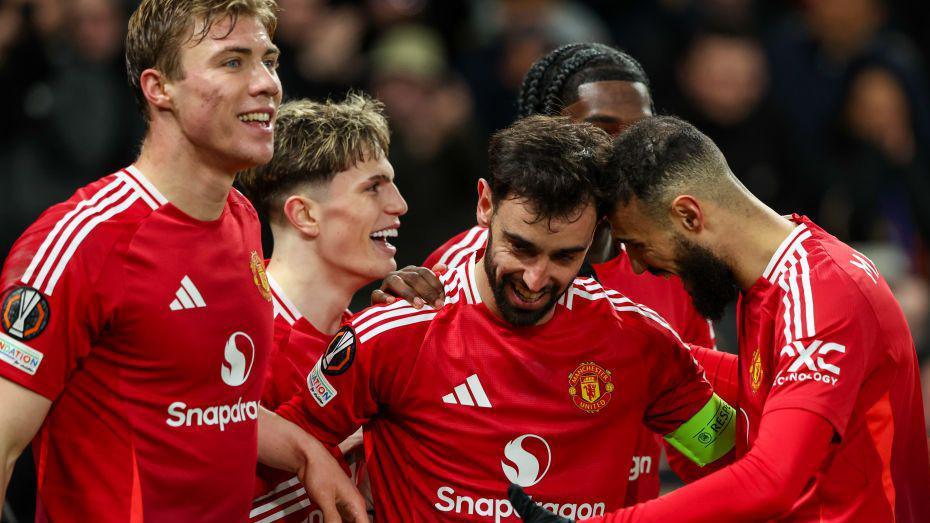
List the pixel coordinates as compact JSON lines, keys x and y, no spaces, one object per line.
{"x":529,"y":510}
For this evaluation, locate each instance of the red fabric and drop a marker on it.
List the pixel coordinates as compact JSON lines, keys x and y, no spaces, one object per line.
{"x":142,"y":330}
{"x":419,"y":379}
{"x":763,"y":485}
{"x":665,"y":296}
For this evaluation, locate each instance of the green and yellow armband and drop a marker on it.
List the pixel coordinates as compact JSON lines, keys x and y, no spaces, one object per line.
{"x":708,"y":435}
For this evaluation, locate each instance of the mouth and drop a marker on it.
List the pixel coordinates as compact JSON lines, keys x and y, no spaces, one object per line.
{"x":258,"y":119}
{"x":381,"y":240}
{"x":526,"y":299}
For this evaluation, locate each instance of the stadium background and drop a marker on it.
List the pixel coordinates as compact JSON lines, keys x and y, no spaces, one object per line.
{"x":821,"y":107}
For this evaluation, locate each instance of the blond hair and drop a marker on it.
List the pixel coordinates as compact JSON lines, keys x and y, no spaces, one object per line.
{"x":158,"y":29}
{"x":314,"y":141}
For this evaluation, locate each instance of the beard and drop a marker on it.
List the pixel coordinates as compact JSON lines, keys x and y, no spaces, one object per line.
{"x":707,"y":278}
{"x":511,"y":313}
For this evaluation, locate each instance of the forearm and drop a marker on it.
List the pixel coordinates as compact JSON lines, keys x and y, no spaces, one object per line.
{"x":284,"y":445}
{"x":762,"y":485}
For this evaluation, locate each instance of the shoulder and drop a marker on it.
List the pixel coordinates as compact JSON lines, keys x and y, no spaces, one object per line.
{"x":587,"y":297}
{"x":240,"y":203}
{"x":459,"y":247}
{"x":398,"y":321}
{"x":82,"y":230}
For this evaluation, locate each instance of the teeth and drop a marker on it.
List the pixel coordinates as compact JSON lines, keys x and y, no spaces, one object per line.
{"x":386,"y":233}
{"x":255,"y":117}
{"x":528,"y":296}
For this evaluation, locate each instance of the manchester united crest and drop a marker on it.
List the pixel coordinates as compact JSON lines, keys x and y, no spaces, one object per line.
{"x":590,"y":387}
{"x":755,"y":372}
{"x":259,"y":276}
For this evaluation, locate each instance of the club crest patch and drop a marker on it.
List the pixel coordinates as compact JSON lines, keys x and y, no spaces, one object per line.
{"x":340,"y":354}
{"x":259,"y":276}
{"x":590,"y":387}
{"x":755,"y":372}
{"x":25,"y":313}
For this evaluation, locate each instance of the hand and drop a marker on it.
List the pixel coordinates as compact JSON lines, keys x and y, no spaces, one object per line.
{"x":417,"y":285}
{"x":329,"y":487}
{"x":529,"y":510}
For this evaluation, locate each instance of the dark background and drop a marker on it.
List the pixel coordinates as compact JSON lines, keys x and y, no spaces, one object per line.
{"x":820,"y":106}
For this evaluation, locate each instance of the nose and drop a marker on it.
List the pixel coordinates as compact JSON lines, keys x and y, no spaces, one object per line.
{"x":265,"y":82}
{"x":396,"y":205}
{"x":536,"y":275}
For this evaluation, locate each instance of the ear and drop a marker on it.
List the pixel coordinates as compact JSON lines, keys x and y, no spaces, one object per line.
{"x":688,"y":214}
{"x":155,"y":88}
{"x":485,"y":205}
{"x":303,"y":214}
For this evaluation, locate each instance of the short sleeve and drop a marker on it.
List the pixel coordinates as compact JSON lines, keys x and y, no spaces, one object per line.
{"x":823,"y":350}
{"x":357,"y":377}
{"x":51,"y":311}
{"x":679,"y":389}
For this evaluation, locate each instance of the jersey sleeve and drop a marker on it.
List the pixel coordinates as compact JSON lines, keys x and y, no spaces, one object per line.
{"x":826,"y":339}
{"x":683,"y":407}
{"x":360,"y":375}
{"x":697,"y":330}
{"x":53,"y":304}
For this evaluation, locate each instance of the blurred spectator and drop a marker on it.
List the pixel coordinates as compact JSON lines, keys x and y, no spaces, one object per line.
{"x":874,"y":179}
{"x":724,"y":82}
{"x":436,"y":149}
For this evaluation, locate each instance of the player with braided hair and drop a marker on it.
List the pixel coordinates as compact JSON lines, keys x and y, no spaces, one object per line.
{"x":608,"y":88}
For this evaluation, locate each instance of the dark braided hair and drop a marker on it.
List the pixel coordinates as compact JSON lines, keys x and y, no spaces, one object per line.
{"x":552,"y":82}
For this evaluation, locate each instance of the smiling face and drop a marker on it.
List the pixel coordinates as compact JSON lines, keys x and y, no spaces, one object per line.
{"x":359,"y":212}
{"x":652,"y":244}
{"x":612,"y":105}
{"x":530,"y":262}
{"x":225,"y":101}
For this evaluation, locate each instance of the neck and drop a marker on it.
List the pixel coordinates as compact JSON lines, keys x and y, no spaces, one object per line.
{"x":319,"y":294}
{"x":752,"y":237}
{"x":179,"y":172}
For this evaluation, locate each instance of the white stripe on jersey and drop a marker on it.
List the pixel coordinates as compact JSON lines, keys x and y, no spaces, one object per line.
{"x":52,"y":236}
{"x":147,"y":185}
{"x":781,"y":251}
{"x":400,"y":311}
{"x":146,"y":197}
{"x":798,"y":298}
{"x":408,"y":320}
{"x":282,"y":306}
{"x":466,"y":244}
{"x":79,"y":238}
{"x":620,"y":303}
{"x":64,"y":238}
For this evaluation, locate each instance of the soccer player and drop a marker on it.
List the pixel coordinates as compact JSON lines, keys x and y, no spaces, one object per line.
{"x":329,"y":196}
{"x":135,"y":318}
{"x":831,"y":423}
{"x":608,"y":88}
{"x":527,"y":374}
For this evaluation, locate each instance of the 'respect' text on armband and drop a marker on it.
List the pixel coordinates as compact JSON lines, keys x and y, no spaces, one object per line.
{"x":708,"y":435}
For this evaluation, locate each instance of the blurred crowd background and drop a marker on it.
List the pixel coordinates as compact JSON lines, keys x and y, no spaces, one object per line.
{"x":820,"y":106}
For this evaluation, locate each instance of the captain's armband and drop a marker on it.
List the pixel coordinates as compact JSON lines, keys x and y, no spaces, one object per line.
{"x":708,"y":435}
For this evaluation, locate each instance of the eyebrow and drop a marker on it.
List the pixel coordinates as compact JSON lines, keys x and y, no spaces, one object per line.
{"x":379,"y":178}
{"x":521,"y":241}
{"x":272,"y":50}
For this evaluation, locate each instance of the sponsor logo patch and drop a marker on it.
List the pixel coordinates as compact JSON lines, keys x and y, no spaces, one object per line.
{"x":238,"y":356}
{"x":259,"y":276}
{"x":806,"y":367}
{"x":25,"y":313}
{"x":340,"y":354}
{"x":320,"y":388}
{"x":590,"y":387}
{"x":19,"y":355}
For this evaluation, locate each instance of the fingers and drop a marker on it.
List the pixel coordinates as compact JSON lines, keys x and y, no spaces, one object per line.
{"x":417,"y":285}
{"x":354,"y":511}
{"x":328,"y":508}
{"x":529,"y":510}
{"x":379,"y":297}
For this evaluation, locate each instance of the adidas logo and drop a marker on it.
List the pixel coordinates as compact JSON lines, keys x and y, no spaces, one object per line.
{"x":188,"y":297}
{"x":461,"y":395}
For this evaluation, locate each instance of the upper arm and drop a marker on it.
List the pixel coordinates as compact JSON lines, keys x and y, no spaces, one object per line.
{"x":20,"y":418}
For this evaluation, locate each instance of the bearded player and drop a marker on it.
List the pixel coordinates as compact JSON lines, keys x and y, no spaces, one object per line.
{"x":136,"y":315}
{"x":831,"y":423}
{"x":527,"y":373}
{"x":330,"y":199}
{"x":608,"y":88}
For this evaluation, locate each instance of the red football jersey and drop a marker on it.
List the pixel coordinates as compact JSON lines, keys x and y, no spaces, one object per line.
{"x":667,"y":296}
{"x":279,"y":495}
{"x":821,"y":331}
{"x":148,"y":330}
{"x":457,"y":403}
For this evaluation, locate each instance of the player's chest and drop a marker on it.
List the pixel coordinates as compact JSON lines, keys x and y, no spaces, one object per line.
{"x":758,"y":337}
{"x":196,"y":307}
